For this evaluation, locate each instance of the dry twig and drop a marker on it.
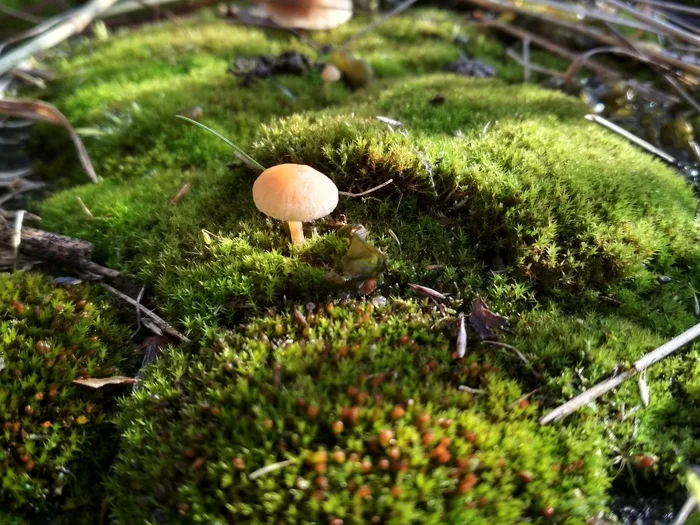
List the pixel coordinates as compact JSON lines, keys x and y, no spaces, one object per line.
{"x":613,"y":382}
{"x":160,"y":322}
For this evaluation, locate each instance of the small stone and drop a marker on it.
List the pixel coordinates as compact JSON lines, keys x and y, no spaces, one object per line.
{"x":458,"y":133}
{"x":379,"y":301}
{"x":664,"y":279}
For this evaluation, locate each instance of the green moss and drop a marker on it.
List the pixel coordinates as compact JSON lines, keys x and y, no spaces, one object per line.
{"x":531,"y":203}
{"x":280,"y":391}
{"x":51,"y":336}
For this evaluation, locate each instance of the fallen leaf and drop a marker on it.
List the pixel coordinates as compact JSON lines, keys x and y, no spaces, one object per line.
{"x":38,"y":110}
{"x":95,"y":382}
{"x":428,"y":292}
{"x":644,"y":388}
{"x":484,"y":321}
{"x":360,"y":267}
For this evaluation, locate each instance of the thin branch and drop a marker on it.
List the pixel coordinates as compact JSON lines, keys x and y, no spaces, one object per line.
{"x":371,"y":190}
{"x":632,"y":138}
{"x":592,"y":14}
{"x":85,"y":209}
{"x":398,"y":9}
{"x":160,"y":322}
{"x":549,"y":46}
{"x":659,"y":25}
{"x":583,"y":30}
{"x":611,"y":383}
{"x":81,"y":18}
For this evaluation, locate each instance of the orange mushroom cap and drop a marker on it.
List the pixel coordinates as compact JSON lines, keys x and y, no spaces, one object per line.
{"x":294,"y":193}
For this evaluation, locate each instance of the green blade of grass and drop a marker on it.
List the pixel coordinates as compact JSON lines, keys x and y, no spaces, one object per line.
{"x":245,"y":157}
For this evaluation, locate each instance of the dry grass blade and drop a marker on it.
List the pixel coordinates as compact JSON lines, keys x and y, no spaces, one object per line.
{"x":270,"y":468}
{"x":686,"y":511}
{"x":632,"y":138}
{"x":613,"y":382}
{"x":37,"y":110}
{"x":428,"y":292}
{"x":17,"y":233}
{"x":180,"y":194}
{"x":366,"y":192}
{"x":85,"y":209}
{"x":517,"y":352}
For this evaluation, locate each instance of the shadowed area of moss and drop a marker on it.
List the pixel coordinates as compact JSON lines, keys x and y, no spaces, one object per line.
{"x":502,"y":191}
{"x":50,"y":426}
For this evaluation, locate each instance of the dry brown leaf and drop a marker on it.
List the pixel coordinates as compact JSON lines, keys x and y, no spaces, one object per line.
{"x":99,"y":382}
{"x":38,"y":110}
{"x":484,"y":321}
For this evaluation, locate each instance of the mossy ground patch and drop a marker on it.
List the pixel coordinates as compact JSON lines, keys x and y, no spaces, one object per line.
{"x":557,"y":224}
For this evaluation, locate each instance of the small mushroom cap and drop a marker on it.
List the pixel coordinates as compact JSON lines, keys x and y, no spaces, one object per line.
{"x":294,"y":192}
{"x":330,"y":73}
{"x":309,"y":14}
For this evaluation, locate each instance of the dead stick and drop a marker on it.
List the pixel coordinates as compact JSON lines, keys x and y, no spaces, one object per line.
{"x":160,"y":322}
{"x":609,"y":384}
{"x":549,"y":46}
{"x":47,"y":246}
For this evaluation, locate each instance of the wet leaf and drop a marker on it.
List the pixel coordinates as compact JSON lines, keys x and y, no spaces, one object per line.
{"x":362,"y":259}
{"x":94,"y":382}
{"x":353,"y":229}
{"x":359,"y":267}
{"x":484,"y":321}
{"x":38,"y":110}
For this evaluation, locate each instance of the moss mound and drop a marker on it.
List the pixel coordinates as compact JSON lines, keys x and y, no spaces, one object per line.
{"x":364,"y":404}
{"x":560,"y":215}
{"x":51,"y":336}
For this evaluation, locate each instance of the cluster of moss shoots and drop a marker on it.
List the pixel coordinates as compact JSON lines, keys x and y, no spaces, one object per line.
{"x":50,"y":336}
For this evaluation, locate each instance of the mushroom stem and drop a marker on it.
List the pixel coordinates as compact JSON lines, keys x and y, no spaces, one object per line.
{"x":297,"y":232}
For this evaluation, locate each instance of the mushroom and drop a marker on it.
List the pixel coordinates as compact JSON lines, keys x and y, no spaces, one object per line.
{"x":329,"y":75}
{"x":294,"y":193}
{"x":309,"y":14}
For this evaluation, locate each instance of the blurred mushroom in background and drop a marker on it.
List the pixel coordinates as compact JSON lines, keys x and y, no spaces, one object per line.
{"x":309,"y":14}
